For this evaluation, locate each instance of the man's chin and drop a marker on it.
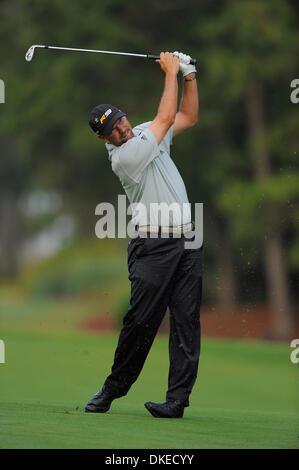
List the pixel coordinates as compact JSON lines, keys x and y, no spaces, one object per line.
{"x":126,"y":138}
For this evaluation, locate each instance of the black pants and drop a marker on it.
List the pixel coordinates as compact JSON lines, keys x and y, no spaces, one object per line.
{"x":163,"y":273}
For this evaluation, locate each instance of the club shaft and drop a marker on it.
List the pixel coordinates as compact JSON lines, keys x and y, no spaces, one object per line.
{"x":93,"y":50}
{"x":145,"y":56}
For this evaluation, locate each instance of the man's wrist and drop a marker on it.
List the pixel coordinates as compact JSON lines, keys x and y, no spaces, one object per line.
{"x":171,"y":74}
{"x":190,"y":76}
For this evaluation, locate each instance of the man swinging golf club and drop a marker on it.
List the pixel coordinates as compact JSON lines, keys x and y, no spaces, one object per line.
{"x":163,"y":273}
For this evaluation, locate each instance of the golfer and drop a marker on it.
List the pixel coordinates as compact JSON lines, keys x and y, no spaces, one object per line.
{"x":162,"y":272}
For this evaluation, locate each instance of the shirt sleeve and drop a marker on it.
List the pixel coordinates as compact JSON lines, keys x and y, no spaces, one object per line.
{"x":167,"y":141}
{"x":133,"y":157}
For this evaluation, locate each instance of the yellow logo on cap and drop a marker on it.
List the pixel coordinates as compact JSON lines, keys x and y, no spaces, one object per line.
{"x":103,"y":118}
{"x":109,"y":111}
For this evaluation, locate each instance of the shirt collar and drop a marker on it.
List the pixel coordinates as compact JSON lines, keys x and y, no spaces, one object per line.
{"x":111,"y":148}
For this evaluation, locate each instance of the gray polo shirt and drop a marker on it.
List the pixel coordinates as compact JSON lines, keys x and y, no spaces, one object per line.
{"x":150,"y":177}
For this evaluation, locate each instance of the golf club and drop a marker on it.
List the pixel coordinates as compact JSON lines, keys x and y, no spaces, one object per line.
{"x":30,"y":53}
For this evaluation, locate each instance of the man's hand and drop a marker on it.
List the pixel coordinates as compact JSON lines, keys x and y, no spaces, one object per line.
{"x":185,"y":66}
{"x":169,"y":63}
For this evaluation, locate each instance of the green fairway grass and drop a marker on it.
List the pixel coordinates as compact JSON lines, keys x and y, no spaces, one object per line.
{"x":245,"y":396}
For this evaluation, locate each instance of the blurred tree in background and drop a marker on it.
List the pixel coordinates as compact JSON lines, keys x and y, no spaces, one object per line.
{"x":240,"y":160}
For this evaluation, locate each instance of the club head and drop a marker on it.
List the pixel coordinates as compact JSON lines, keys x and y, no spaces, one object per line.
{"x":30,"y":53}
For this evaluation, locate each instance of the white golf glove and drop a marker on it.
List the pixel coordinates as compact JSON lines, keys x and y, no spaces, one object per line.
{"x":185,"y":66}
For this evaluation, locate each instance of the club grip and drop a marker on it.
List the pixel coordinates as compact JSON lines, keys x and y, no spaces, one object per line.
{"x":155,"y":57}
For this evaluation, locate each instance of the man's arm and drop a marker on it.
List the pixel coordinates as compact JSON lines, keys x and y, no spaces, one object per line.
{"x":168,"y":104}
{"x":188,"y":111}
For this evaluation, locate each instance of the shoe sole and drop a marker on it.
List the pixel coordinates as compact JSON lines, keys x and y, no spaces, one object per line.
{"x":157,"y":415}
{"x":97,"y":410}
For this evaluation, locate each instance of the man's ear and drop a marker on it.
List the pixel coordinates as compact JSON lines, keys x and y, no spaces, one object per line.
{"x":102,"y":137}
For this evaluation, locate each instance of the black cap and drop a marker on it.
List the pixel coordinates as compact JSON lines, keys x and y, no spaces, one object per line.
{"x":102,"y":118}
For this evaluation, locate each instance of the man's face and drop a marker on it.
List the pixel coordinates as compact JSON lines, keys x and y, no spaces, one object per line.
{"x":121,"y":132}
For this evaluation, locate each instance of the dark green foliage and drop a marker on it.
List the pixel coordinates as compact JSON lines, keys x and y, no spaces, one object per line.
{"x":45,"y":140}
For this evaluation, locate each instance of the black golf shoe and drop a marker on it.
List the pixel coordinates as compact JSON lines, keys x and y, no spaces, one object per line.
{"x":168,"y":409}
{"x":100,"y":402}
